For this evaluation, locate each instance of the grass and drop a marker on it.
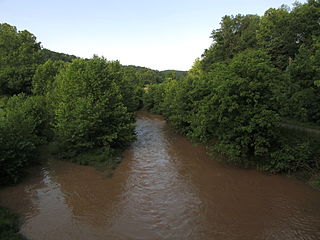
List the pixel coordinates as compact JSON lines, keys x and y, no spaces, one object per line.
{"x":9,"y":225}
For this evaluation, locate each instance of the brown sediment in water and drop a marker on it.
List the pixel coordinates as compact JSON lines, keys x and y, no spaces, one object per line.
{"x":165,"y":188}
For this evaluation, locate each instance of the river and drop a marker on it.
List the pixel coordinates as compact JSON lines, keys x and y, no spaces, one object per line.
{"x":165,"y":188}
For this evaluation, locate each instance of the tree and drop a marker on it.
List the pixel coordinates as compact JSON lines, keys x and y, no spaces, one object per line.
{"x":275,"y":36}
{"x":282,"y":32}
{"x":89,"y":112}
{"x":19,"y":57}
{"x":234,"y":35}
{"x":305,"y":22}
{"x":43,"y":79}
{"x":22,"y":130}
{"x":131,"y":89}
{"x":47,"y":54}
{"x":304,"y":72}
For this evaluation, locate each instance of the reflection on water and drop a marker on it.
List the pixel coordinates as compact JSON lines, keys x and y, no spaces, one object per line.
{"x":165,"y":188}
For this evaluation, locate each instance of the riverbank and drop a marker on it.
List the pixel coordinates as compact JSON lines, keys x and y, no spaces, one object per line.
{"x":102,"y":159}
{"x":164,"y":188}
{"x":106,"y":163}
{"x":298,"y":157}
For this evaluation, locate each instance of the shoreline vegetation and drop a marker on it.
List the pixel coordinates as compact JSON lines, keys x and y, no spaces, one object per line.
{"x":9,"y":225}
{"x":254,"y":93}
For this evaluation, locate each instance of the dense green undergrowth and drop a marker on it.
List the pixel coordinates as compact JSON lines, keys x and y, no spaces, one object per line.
{"x":9,"y":225}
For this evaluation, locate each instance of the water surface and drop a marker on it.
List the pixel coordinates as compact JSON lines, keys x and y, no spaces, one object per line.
{"x":165,"y":188}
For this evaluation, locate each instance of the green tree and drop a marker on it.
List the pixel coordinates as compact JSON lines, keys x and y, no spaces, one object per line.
{"x":305,"y":22}
{"x":247,"y":111}
{"x":47,"y":54}
{"x":89,"y":112}
{"x":275,"y":35}
{"x":131,"y":89}
{"x":22,"y":130}
{"x":182,"y":96}
{"x":304,"y":72}
{"x":9,"y":225}
{"x":153,"y":97}
{"x":19,"y":57}
{"x":282,"y":32}
{"x":234,"y":35}
{"x":43,"y":79}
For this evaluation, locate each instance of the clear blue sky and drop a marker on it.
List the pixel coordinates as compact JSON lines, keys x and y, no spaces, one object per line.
{"x":157,"y":34}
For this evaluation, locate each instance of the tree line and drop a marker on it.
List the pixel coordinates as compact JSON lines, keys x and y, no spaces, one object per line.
{"x":85,"y":106}
{"x":258,"y":72}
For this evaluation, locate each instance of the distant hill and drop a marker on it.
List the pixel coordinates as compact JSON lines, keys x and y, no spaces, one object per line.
{"x":150,"y":76}
{"x":48,"y":54}
{"x":174,"y":73}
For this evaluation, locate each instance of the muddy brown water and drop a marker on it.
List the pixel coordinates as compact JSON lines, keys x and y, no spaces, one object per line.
{"x":165,"y":188}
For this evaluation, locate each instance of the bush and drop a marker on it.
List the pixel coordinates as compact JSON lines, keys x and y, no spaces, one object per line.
{"x":291,"y":159}
{"x":9,"y":225}
{"x":233,"y":103}
{"x":295,"y":151}
{"x":22,"y":128}
{"x":88,"y":109}
{"x":44,"y":77}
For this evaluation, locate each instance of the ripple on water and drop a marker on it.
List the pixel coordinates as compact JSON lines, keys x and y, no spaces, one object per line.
{"x":165,"y":188}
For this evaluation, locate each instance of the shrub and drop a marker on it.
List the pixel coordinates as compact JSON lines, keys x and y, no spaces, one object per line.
{"x":21,"y":131}
{"x":88,"y":109}
{"x":9,"y":225}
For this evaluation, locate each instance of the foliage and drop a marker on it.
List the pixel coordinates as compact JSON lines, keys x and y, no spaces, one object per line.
{"x":88,"y":102}
{"x":296,"y":151}
{"x":22,"y":129}
{"x":290,"y":159}
{"x":43,"y":79}
{"x":47,"y":54}
{"x":19,"y":57}
{"x":145,"y":76}
{"x":9,"y":225}
{"x":153,"y":97}
{"x":233,"y":103}
{"x":131,"y":89}
{"x":304,"y":72}
{"x":173,"y":74}
{"x":275,"y":36}
{"x":315,"y":182}
{"x":240,"y":110}
{"x":235,"y":35}
{"x":257,"y":70}
{"x":90,"y":112}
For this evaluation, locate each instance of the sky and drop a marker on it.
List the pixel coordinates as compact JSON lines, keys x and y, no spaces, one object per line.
{"x":166,"y":34}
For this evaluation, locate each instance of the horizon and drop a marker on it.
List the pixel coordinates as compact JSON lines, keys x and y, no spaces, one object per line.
{"x":161,"y":36}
